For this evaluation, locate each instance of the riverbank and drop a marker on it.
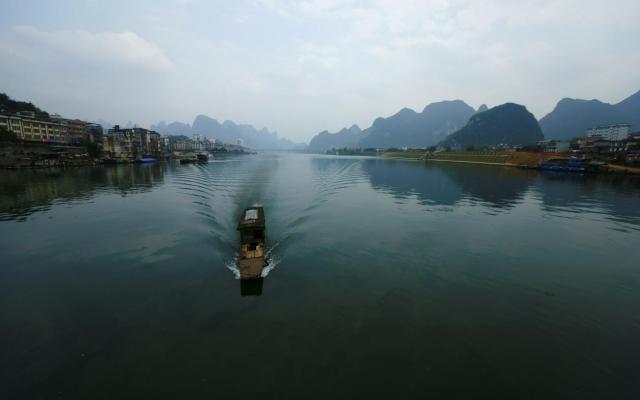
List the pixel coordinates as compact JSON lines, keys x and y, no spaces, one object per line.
{"x":37,"y":155}
{"x":500,"y":158}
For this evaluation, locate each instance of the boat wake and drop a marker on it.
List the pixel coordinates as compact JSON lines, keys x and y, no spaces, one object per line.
{"x":271,"y":260}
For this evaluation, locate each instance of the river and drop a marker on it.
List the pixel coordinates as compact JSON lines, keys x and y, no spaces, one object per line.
{"x":386,"y":278}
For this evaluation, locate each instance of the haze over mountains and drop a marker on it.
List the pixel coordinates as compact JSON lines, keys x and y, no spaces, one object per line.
{"x":407,"y":128}
{"x":227,"y":132}
{"x":454,"y":123}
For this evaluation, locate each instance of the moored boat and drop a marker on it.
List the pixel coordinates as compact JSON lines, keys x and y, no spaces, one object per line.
{"x":147,"y":159}
{"x":188,"y":160}
{"x":203,"y":158}
{"x":567,"y":164}
{"x":253,"y":243}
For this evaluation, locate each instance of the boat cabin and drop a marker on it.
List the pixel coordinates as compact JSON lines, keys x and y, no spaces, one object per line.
{"x":252,"y":242}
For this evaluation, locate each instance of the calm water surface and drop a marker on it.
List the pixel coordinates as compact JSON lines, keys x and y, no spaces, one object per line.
{"x":387,"y":279}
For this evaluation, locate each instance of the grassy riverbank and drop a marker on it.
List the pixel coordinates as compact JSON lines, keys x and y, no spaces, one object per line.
{"x":500,"y":158}
{"x":509,"y":158}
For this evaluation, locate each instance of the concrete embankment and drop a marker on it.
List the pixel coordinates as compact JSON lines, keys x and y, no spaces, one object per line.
{"x":38,"y":155}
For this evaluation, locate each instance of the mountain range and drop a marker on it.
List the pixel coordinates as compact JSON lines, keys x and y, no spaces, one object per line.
{"x":228,"y":132}
{"x":572,"y":117}
{"x":406,"y":128}
{"x":455,"y":122}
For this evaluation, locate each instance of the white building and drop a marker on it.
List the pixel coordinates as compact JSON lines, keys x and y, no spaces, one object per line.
{"x":240,"y":142}
{"x":27,"y":127}
{"x":610,"y":132}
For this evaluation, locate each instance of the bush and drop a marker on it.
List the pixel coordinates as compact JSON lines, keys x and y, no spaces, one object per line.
{"x":7,"y":136}
{"x":93,"y":150}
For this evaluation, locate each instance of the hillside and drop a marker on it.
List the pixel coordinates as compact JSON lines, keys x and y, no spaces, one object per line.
{"x":345,"y":138}
{"x":9,"y":105}
{"x":572,"y":117}
{"x":631,"y":109}
{"x":406,"y":128}
{"x":508,"y":124}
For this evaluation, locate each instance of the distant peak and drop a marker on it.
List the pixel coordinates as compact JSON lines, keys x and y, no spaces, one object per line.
{"x":482,"y":108}
{"x":405,"y":111}
{"x":446,"y":105}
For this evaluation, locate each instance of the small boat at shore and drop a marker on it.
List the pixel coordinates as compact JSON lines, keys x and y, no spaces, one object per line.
{"x":189,"y":160}
{"x":253,"y":243}
{"x":147,"y":159}
{"x":203,"y":158}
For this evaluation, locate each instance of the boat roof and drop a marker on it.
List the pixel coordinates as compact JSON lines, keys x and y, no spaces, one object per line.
{"x":252,"y":217}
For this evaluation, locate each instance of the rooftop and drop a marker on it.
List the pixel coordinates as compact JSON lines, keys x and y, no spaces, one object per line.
{"x":253,"y":217}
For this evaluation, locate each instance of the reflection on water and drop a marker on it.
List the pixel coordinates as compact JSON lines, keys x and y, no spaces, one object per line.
{"x":384,"y":277}
{"x":449,"y":184}
{"x":251,"y":287}
{"x":28,"y":191}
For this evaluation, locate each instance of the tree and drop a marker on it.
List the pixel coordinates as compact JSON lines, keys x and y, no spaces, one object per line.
{"x":7,"y":136}
{"x":93,"y":150}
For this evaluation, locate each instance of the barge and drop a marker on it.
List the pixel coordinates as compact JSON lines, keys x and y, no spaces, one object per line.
{"x":567,"y":164}
{"x":253,"y":243}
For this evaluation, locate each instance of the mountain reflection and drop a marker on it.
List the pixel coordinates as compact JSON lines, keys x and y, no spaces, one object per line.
{"x":451,"y":183}
{"x":29,"y":191}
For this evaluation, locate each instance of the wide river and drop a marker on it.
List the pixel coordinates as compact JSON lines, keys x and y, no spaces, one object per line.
{"x":387,"y":279}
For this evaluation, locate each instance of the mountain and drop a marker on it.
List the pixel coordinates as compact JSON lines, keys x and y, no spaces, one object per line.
{"x":506,"y":124}
{"x":347,"y":137}
{"x":572,"y":117}
{"x":228,"y":132}
{"x":482,"y":108}
{"x":174,"y":128}
{"x":631,"y":109}
{"x":9,"y":105}
{"x":406,"y":128}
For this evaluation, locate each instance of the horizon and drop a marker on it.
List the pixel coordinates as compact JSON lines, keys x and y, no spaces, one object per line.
{"x":323,"y":65}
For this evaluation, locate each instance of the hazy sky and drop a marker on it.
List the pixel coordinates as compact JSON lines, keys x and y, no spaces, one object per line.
{"x":299,"y":67}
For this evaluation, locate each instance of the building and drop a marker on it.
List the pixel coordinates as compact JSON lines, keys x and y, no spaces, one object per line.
{"x":94,"y":133}
{"x":28,"y":128}
{"x":614,"y":132}
{"x":132,"y":143}
{"x":556,"y":146}
{"x":77,"y":130}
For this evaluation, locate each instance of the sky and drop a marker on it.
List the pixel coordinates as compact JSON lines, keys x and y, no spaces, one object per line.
{"x":300,"y":67}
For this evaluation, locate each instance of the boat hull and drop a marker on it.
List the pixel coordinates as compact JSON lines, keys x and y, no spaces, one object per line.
{"x":251,"y":268}
{"x":253,"y":243}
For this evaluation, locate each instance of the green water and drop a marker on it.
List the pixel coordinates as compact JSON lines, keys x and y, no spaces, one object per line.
{"x":387,"y":279}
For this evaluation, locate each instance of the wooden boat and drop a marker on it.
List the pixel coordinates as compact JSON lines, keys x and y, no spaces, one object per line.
{"x":188,"y":160}
{"x":253,"y":243}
